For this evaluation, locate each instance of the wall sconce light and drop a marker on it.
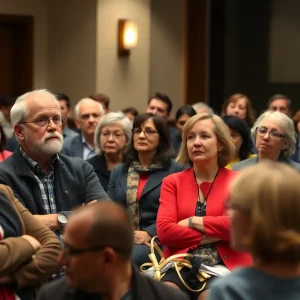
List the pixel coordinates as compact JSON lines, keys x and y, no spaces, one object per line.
{"x":128,"y":37}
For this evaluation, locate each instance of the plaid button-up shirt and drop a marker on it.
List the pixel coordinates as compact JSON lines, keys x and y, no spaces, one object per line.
{"x":45,"y":182}
{"x":46,"y":185}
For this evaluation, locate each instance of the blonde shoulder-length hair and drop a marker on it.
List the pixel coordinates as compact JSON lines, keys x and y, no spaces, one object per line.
{"x":226,"y":154}
{"x":269,"y":193}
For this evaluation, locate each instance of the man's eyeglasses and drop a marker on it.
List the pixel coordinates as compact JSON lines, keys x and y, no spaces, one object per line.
{"x":262,"y":131}
{"x":115,"y":135}
{"x":147,"y":132}
{"x":71,"y":251}
{"x":43,"y":121}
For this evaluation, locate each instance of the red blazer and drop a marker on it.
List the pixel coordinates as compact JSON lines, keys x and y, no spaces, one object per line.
{"x":178,"y":197}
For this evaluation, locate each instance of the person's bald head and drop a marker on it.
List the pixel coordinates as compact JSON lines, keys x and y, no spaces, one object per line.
{"x":104,"y":223}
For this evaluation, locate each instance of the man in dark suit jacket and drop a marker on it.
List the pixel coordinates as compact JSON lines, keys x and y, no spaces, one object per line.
{"x":48,"y":183}
{"x":97,"y":255}
{"x":87,"y":114}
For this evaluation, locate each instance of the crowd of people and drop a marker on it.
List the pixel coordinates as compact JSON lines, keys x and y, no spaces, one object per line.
{"x":82,"y":197}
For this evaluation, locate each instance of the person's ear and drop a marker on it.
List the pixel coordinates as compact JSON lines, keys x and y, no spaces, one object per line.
{"x":220,"y":147}
{"x":19,"y":132}
{"x":109,"y":256}
{"x":77,"y":123}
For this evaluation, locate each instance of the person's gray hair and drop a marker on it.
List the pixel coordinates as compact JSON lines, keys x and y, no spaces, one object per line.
{"x":285,"y":123}
{"x":202,"y":105}
{"x":84,"y":101}
{"x":19,"y":112}
{"x":113,"y":118}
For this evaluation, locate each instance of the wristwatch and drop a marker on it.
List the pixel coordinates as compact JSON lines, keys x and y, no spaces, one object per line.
{"x":62,"y":219}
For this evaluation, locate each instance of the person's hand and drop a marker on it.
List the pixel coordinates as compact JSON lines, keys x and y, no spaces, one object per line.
{"x":49,"y":220}
{"x":184,"y":222}
{"x":142,"y":237}
{"x":6,"y":279}
{"x":33,"y":242}
{"x":92,"y":202}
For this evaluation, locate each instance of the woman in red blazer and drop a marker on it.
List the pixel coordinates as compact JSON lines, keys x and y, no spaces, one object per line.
{"x":192,"y":215}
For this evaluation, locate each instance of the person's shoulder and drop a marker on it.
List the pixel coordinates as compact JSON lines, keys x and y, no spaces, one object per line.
{"x":95,"y":159}
{"x":232,"y":284}
{"x":163,"y":291}
{"x":69,"y":141}
{"x":59,"y":288}
{"x":244,"y":163}
{"x":295,"y":165}
{"x":175,"y":165}
{"x":10,"y":161}
{"x":181,"y":175}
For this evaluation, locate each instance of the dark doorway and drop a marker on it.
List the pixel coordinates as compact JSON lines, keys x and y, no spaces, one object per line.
{"x":16,"y":54}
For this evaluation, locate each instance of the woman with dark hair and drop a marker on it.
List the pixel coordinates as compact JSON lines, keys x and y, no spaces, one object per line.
{"x":136,"y":183}
{"x":4,"y":154}
{"x":182,"y":115}
{"x":296,"y":156}
{"x":241,"y":137}
{"x":239,"y":105}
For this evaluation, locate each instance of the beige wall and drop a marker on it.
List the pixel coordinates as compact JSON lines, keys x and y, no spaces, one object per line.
{"x":75,"y":48}
{"x":72,"y":47}
{"x":37,"y":9}
{"x":125,"y":80}
{"x":156,"y":64}
{"x":167,"y":50}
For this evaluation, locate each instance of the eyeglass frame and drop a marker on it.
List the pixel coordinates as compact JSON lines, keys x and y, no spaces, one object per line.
{"x":47,"y":121}
{"x":113,"y":134}
{"x":144,"y":131}
{"x":270,"y":132}
{"x":70,"y":251}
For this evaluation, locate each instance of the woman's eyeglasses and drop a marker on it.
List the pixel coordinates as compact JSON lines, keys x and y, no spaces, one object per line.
{"x":147,"y":132}
{"x":115,"y":135}
{"x":262,"y":131}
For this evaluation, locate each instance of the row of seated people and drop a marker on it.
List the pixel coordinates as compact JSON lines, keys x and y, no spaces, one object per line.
{"x":51,"y":184}
{"x":191,"y":213}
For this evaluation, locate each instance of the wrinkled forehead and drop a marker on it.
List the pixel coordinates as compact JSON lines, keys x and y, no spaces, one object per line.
{"x":42,"y":104}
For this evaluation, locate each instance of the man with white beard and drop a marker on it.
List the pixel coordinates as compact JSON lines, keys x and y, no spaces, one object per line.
{"x":49,"y":184}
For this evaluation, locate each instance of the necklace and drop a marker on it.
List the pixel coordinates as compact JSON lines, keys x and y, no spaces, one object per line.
{"x":201,"y":200}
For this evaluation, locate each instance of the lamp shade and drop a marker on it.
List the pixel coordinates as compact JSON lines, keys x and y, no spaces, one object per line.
{"x":128,"y":37}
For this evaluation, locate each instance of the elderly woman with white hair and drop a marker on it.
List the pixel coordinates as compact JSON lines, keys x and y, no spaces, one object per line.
{"x":274,"y":136}
{"x":112,"y":135}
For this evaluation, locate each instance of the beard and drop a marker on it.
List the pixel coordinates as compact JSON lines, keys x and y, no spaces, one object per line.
{"x":46,"y":145}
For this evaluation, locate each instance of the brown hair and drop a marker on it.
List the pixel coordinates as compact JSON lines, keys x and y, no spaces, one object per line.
{"x":250,"y":115}
{"x":296,"y":119}
{"x":223,"y":137}
{"x":272,"y":202}
{"x":101,"y":98}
